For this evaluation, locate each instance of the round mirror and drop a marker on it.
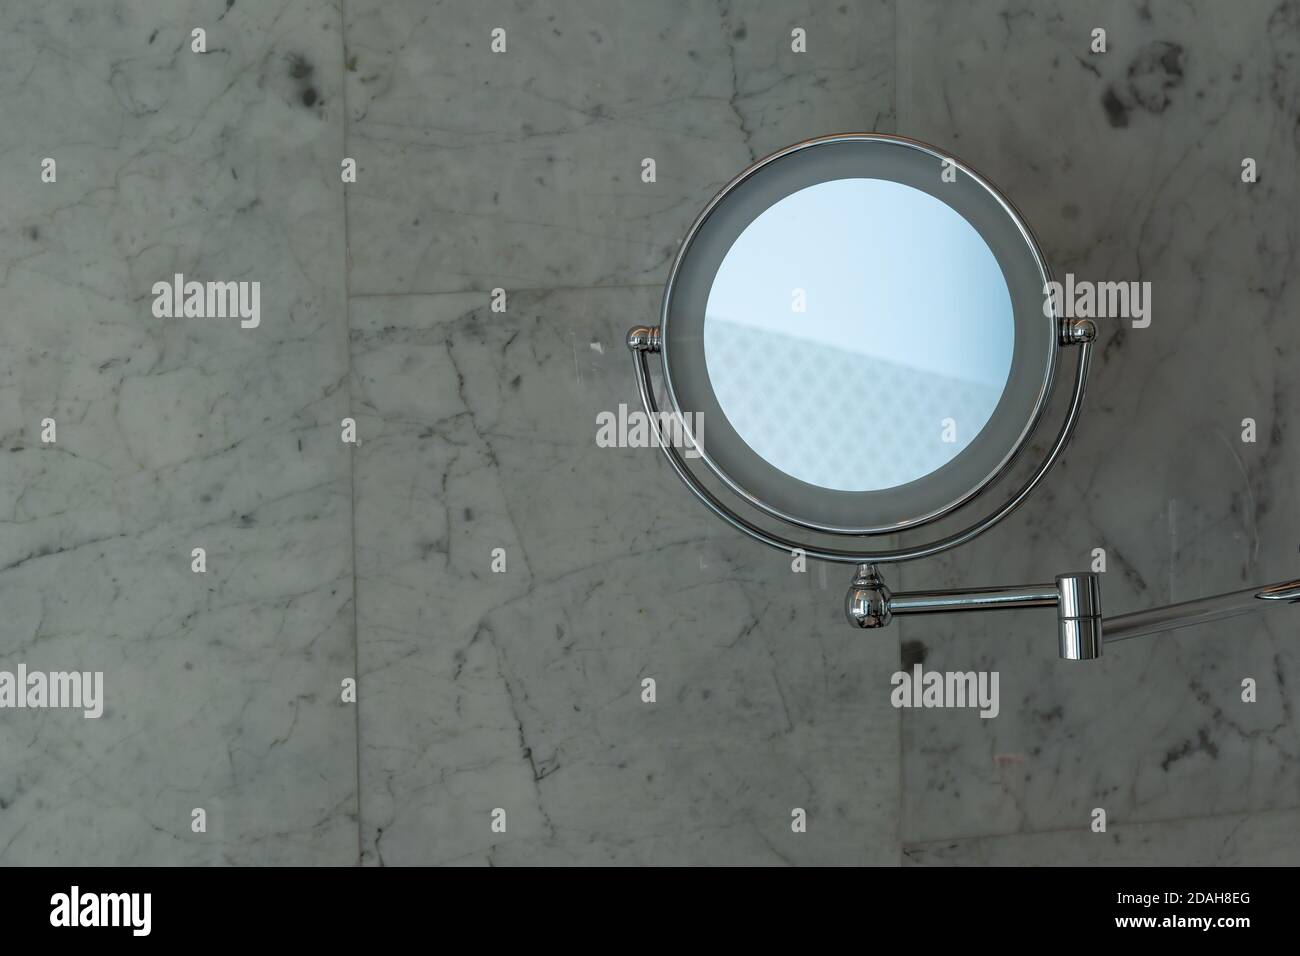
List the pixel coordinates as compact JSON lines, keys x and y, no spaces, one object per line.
{"x":830,"y":301}
{"x":855,"y":334}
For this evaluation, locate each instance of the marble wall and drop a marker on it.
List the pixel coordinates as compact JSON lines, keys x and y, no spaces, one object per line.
{"x":1129,"y":166}
{"x":522,"y":690}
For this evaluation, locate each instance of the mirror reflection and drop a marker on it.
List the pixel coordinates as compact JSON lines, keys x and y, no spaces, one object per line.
{"x":858,"y":334}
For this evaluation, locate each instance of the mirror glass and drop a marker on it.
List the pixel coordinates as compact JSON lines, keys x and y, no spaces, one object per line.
{"x":858,"y":334}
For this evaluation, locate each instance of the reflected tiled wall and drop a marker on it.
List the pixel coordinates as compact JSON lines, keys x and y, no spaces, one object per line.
{"x":522,"y":690}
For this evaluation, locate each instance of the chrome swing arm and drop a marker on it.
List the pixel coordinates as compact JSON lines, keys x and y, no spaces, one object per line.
{"x":1081,"y":628}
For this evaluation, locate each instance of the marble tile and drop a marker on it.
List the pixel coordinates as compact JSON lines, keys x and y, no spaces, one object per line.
{"x":521,"y":690}
{"x":1128,"y":166}
{"x":222,"y":689}
{"x":523,"y":169}
{"x":1269,"y":838}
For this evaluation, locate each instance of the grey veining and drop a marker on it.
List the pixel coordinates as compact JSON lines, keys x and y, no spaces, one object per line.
{"x":1128,"y":165}
{"x":221,"y":689}
{"x":521,"y":690}
{"x":523,"y":169}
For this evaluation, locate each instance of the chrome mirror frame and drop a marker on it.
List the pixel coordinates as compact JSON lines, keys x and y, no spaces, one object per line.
{"x":1081,"y":628}
{"x":801,"y":171}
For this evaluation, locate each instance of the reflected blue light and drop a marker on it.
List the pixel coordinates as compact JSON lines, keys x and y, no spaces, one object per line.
{"x":859,"y":334}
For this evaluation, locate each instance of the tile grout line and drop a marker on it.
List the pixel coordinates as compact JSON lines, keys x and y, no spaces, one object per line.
{"x":352,"y":461}
{"x":899,"y":43}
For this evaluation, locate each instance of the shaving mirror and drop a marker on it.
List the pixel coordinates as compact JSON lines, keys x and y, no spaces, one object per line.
{"x":856,"y":341}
